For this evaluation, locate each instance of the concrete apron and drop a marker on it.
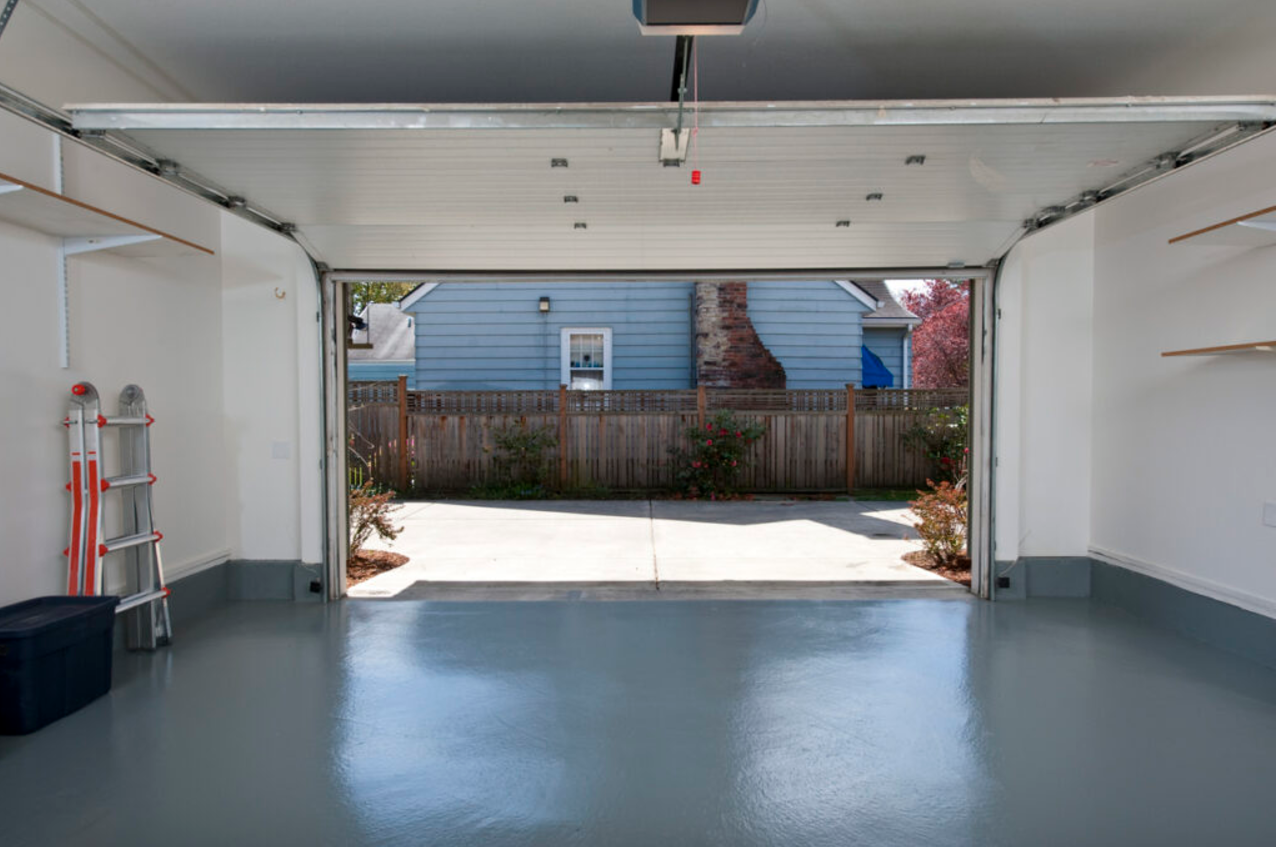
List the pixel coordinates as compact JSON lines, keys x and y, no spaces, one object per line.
{"x":631,"y":549}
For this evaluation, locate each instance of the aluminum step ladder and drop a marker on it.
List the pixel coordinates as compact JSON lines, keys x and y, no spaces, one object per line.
{"x":146,"y":609}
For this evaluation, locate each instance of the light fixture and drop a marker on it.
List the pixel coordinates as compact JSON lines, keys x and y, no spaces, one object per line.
{"x":558,"y":163}
{"x":544,"y":305}
{"x":570,"y":198}
{"x":580,"y":225}
{"x":915,"y":159}
{"x":842,"y":223}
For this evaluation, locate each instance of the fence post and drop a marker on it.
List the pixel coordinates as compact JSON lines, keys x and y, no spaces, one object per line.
{"x":403,"y":433}
{"x":702,"y":403}
{"x":562,"y":437}
{"x":850,"y":437}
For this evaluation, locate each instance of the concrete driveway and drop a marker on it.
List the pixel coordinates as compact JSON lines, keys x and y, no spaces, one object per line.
{"x":665,"y":544}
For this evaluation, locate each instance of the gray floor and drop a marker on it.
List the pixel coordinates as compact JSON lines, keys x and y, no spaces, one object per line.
{"x":904,"y":722}
{"x":648,"y":542}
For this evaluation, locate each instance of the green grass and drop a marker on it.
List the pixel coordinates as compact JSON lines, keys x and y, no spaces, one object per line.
{"x":894,"y":494}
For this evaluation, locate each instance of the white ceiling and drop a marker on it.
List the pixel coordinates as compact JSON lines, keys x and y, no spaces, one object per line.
{"x":487,"y":199}
{"x":590,"y":50}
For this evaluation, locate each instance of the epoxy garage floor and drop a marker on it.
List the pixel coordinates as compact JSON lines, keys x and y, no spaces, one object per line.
{"x":912,"y":722}
{"x":656,"y":542}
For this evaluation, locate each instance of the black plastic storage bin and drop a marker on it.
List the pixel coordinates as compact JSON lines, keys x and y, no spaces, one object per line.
{"x":55,"y":657}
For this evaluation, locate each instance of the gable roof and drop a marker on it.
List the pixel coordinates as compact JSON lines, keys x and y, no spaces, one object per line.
{"x":390,"y":331}
{"x":416,"y":294}
{"x":889,"y":310}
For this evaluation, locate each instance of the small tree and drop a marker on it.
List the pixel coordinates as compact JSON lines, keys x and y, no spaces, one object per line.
{"x":370,"y":513}
{"x":712,"y":465}
{"x":941,"y":520}
{"x":520,"y":458}
{"x":943,"y":437}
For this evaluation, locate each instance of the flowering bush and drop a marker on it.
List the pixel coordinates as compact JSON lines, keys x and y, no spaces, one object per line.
{"x":941,"y":519}
{"x":942,"y":436}
{"x":370,"y":513}
{"x":711,"y":466}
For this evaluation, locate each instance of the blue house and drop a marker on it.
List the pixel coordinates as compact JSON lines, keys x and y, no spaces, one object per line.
{"x":657,"y":335}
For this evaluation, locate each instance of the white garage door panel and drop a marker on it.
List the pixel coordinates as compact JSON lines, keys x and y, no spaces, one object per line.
{"x":450,"y":198}
{"x":546,"y":247}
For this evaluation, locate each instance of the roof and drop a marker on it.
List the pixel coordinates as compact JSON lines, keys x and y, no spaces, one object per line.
{"x":389,"y":330}
{"x":890,"y":308}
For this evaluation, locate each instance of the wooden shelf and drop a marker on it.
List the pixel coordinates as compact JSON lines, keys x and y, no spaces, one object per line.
{"x":1257,"y":229}
{"x":1228,"y":349}
{"x":30,"y":206}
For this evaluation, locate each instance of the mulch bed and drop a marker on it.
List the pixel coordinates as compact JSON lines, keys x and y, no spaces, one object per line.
{"x":959,"y":571}
{"x":368,"y":563}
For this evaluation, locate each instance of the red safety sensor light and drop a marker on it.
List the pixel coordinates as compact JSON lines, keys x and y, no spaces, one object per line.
{"x":695,"y":177}
{"x":77,"y":389}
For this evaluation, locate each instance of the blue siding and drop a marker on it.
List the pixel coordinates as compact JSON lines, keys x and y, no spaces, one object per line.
{"x":813,"y":328}
{"x":888,"y":344}
{"x":473,"y":336}
{"x":379,"y":372}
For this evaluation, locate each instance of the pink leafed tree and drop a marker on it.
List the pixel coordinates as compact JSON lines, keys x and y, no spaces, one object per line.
{"x":941,"y":343}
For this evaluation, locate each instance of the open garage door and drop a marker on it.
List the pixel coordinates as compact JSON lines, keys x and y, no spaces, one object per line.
{"x":582,"y":191}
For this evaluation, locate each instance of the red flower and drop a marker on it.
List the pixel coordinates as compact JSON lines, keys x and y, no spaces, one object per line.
{"x":695,"y":464}
{"x":733,"y":463}
{"x":708,"y":442}
{"x":709,"y":427}
{"x":722,"y":432}
{"x":739,"y":434}
{"x":965,"y":450}
{"x":945,"y":461}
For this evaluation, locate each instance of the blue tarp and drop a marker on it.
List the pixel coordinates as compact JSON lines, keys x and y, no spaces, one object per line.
{"x":875,"y":373}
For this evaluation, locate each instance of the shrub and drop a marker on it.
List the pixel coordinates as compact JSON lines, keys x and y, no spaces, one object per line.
{"x":370,"y":513}
{"x":712,"y":465}
{"x":520,"y":459}
{"x":943,"y":438}
{"x":941,"y":519}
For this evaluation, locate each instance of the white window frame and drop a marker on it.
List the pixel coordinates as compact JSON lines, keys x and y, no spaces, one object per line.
{"x":565,"y":352}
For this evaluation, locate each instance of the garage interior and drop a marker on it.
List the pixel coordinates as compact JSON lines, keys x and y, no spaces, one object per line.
{"x":181,"y":191}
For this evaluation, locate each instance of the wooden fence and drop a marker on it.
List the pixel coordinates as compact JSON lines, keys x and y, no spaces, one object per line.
{"x":624,"y":440}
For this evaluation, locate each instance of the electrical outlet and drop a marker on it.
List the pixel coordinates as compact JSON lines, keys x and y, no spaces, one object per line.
{"x":1269,"y":514}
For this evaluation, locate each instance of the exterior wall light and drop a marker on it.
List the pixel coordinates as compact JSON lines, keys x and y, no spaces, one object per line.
{"x":544,"y":305}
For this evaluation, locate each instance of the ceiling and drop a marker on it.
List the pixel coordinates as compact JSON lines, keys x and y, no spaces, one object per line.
{"x":433,"y":188}
{"x":449,"y":51}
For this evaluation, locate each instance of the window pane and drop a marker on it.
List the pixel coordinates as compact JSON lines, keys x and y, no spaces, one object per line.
{"x":586,"y":351}
{"x":587,"y":380}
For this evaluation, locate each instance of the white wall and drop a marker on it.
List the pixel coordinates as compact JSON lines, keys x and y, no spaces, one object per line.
{"x":1183,"y":451}
{"x":272,"y":399}
{"x":230,"y":371}
{"x":1044,"y":394}
{"x":1104,"y":447}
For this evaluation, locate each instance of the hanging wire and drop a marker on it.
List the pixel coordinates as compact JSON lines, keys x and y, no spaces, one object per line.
{"x":695,"y":99}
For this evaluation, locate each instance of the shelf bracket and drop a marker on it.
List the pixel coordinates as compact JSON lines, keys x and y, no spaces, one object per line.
{"x":79,"y":246}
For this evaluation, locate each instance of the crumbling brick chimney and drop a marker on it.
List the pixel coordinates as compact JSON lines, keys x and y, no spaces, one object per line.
{"x":729,"y":353}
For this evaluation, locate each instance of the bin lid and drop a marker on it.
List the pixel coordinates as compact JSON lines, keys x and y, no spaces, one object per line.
{"x":33,"y":617}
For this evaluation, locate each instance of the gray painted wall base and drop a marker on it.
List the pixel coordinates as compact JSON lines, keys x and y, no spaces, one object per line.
{"x":1222,"y":625}
{"x":1045,"y":576}
{"x":200,"y":593}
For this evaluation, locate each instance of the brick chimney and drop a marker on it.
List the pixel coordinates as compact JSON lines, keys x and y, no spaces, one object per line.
{"x":729,"y":353}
